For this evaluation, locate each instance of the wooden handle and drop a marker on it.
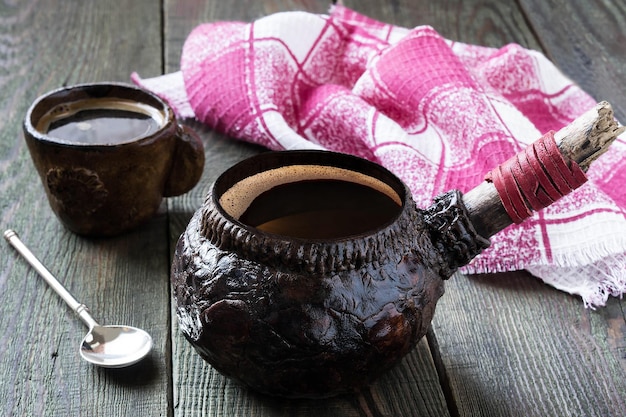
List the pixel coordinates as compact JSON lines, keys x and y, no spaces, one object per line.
{"x":580,"y":143}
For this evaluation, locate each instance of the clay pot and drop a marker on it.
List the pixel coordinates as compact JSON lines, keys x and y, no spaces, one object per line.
{"x":310,"y":273}
{"x":313,"y":317}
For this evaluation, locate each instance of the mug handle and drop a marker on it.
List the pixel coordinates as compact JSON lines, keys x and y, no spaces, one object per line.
{"x":188,"y":163}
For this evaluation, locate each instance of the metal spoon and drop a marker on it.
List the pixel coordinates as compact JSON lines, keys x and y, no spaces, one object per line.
{"x":106,"y":346}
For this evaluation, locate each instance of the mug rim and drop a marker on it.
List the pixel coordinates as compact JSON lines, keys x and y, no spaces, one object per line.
{"x":163,"y":108}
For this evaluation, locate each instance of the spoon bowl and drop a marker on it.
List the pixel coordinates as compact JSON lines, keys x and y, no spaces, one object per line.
{"x":114,"y":346}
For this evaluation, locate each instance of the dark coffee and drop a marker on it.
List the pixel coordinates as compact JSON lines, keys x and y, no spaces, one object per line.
{"x":320,"y":209}
{"x":100,"y":122}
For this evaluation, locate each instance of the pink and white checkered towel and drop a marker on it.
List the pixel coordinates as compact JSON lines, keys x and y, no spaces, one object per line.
{"x":438,"y":113}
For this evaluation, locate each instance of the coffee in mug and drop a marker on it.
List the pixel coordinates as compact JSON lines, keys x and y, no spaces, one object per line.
{"x":103,"y":121}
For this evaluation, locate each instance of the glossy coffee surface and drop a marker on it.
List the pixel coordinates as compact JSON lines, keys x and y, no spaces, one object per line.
{"x":102,"y":121}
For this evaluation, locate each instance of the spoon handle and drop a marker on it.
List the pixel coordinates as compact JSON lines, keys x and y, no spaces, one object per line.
{"x":78,"y":308}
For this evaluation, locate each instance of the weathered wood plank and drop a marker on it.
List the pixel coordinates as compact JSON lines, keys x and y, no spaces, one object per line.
{"x":44,"y":45}
{"x":489,"y":23}
{"x":512,"y":346}
{"x":181,"y":17}
{"x":586,"y":40}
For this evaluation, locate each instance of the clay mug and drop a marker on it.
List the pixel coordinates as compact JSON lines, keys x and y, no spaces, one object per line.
{"x":107,"y":154}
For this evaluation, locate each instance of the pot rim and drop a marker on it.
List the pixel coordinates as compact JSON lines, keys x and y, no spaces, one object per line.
{"x":367,"y":173}
{"x":314,"y":255}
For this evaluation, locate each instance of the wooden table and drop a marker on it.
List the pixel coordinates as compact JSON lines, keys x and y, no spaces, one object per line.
{"x":500,"y":345}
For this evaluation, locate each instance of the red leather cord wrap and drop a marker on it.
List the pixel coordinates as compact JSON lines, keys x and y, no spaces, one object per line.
{"x":535,"y":178}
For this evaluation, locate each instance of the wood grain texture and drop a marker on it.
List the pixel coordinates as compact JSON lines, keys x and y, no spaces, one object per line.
{"x":44,"y":45}
{"x":586,"y":41}
{"x":483,"y":22}
{"x":512,"y":346}
{"x":182,"y":16}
